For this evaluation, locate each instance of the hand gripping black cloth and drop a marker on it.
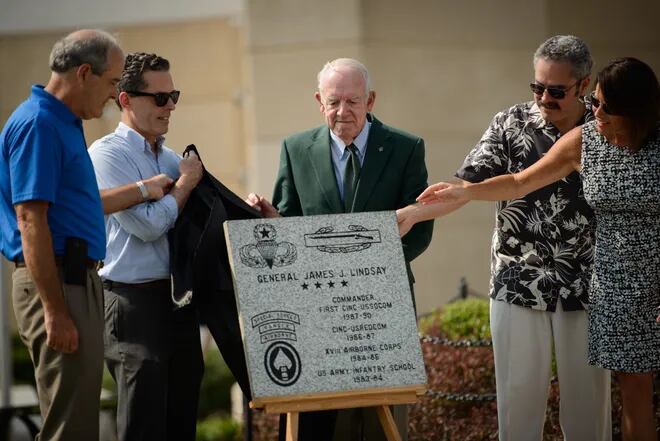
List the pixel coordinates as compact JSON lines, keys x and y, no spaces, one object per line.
{"x":200,"y":265}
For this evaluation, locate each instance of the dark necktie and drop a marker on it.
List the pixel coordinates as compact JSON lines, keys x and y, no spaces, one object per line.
{"x":351,"y":177}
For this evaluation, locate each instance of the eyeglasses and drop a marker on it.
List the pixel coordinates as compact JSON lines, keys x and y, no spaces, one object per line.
{"x":161,"y":98}
{"x":596,"y":103}
{"x":556,"y":92}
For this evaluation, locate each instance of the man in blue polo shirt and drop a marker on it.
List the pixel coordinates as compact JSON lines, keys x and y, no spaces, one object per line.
{"x":52,"y":228}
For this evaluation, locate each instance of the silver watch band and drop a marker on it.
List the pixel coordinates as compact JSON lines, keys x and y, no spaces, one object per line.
{"x":143,"y":190}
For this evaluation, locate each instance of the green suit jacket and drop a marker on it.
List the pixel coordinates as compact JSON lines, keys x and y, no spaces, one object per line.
{"x":392,"y":176}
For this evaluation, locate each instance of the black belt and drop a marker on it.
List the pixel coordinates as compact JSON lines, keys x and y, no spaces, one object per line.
{"x":154,"y":284}
{"x":59,"y":261}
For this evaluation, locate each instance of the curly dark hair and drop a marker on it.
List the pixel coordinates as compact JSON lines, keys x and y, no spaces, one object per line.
{"x":137,"y":63}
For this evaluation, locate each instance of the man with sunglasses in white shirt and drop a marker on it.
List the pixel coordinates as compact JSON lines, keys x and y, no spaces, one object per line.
{"x":542,"y":253}
{"x":152,"y":350}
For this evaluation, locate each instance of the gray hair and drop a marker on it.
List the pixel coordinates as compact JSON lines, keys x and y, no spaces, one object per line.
{"x":568,"y":49}
{"x":350,"y":63}
{"x":82,"y":47}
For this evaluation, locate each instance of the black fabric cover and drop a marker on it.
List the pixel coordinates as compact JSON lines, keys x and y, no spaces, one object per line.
{"x":199,"y":263}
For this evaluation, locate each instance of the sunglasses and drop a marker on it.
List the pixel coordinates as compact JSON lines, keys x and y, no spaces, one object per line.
{"x":161,"y":98}
{"x":596,"y":103}
{"x":556,"y":92}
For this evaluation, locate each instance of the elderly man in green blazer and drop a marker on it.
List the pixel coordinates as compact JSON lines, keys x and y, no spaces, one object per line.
{"x":354,"y":163}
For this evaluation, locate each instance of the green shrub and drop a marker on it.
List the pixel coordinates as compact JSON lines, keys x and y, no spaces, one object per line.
{"x":219,"y":428}
{"x":429,"y":324}
{"x":108,"y":383}
{"x":463,"y":319}
{"x":215,"y":392}
{"x":21,"y":362}
{"x":457,"y":370}
{"x":466,"y":319}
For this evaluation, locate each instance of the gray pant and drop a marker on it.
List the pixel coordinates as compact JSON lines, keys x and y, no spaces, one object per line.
{"x":68,"y":385}
{"x":154,"y":354}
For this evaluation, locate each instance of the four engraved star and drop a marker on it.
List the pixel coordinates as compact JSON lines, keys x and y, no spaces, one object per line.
{"x":319,"y":285}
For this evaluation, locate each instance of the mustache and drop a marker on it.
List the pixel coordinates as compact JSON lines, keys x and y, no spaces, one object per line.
{"x":551,"y":105}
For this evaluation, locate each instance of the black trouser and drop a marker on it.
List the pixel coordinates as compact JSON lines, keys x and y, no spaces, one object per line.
{"x":217,"y":311}
{"x":154,"y":354}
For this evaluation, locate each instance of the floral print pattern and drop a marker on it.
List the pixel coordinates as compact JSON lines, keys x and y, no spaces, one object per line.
{"x":542,"y":250}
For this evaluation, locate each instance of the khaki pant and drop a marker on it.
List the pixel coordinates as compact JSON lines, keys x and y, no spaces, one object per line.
{"x":68,"y":385}
{"x":523,"y":341}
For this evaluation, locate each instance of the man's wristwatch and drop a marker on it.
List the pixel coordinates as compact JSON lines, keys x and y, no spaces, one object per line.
{"x":143,"y":190}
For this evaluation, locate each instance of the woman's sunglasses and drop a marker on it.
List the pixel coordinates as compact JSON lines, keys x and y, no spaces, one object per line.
{"x":160,"y":98}
{"x":596,"y":103}
{"x":558,"y":93}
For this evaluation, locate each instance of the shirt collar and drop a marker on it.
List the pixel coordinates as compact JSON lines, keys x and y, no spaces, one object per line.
{"x":135,"y":139}
{"x":360,"y":141}
{"x":54,"y":104}
{"x":536,"y":117}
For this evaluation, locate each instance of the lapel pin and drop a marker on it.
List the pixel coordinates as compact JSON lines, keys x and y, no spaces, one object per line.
{"x":380,"y":149}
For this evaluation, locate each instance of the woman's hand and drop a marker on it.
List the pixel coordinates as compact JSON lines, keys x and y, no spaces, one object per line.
{"x":444,"y":192}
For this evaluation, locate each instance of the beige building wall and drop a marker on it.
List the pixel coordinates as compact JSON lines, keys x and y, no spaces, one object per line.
{"x":207,"y":62}
{"x":287,"y":42}
{"x":207,"y":65}
{"x":441,"y":69}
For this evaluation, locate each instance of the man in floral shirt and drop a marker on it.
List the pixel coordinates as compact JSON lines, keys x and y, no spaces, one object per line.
{"x":542,"y":254}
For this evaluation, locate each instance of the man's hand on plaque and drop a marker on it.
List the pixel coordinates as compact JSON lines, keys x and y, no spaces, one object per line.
{"x":405,"y":218}
{"x":262,"y":204}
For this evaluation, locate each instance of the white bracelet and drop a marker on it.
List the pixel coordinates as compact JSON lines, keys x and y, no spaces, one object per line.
{"x":143,"y":190}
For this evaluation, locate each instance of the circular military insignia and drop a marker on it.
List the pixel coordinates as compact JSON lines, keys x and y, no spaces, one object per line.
{"x":282,"y":363}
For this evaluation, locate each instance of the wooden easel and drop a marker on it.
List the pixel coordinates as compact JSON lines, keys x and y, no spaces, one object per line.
{"x":380,"y":398}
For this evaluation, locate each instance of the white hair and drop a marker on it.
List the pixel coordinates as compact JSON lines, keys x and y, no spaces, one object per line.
{"x":350,"y":63}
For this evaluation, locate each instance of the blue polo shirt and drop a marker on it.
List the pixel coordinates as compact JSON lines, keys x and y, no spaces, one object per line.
{"x":44,"y":157}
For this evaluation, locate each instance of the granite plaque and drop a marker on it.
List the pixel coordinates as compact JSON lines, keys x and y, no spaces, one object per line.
{"x":324,"y":304}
